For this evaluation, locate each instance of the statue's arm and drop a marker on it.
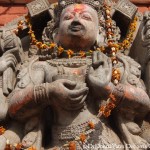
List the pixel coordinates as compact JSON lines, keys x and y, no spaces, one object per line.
{"x":25,"y":89}
{"x":130,"y":97}
{"x":10,"y":51}
{"x":127,"y":94}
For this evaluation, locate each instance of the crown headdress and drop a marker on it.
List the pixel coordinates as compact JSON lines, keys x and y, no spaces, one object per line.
{"x":96,"y":4}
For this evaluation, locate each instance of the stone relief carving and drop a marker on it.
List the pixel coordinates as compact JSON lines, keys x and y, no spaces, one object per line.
{"x":75,"y":88}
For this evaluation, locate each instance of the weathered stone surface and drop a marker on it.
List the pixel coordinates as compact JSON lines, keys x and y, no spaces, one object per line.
{"x":68,"y":78}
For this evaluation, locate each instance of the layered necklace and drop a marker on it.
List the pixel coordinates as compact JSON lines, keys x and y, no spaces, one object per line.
{"x":111,"y":49}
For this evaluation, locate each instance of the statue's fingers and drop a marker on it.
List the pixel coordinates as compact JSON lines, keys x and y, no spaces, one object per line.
{"x":106,"y":61}
{"x":8,"y":55}
{"x":75,"y":106}
{"x":94,"y":57}
{"x":13,"y":61}
{"x":11,"y":58}
{"x":11,"y":64}
{"x":5,"y":82}
{"x":77,"y":93}
{"x":77,"y":100}
{"x":69,"y":84}
{"x":100,"y":56}
{"x":98,"y":64}
{"x":91,"y":69}
{"x":10,"y":79}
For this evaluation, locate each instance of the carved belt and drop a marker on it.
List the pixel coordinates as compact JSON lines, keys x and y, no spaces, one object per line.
{"x":71,"y":132}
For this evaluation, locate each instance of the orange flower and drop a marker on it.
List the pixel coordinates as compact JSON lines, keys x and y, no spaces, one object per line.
{"x":44,"y":46}
{"x":52,"y":45}
{"x":113,"y":59}
{"x":39,"y":44}
{"x":70,"y":53}
{"x":102,"y":49}
{"x":20,"y":22}
{"x":30,"y":26}
{"x":116,"y":74}
{"x":8,"y":146}
{"x":107,"y":113}
{"x":112,"y":97}
{"x":20,"y":27}
{"x":126,"y":43}
{"x":30,"y":32}
{"x":18,"y":146}
{"x":2,"y":130}
{"x":133,"y":26}
{"x":34,"y":41}
{"x":72,"y":145}
{"x":90,"y":51}
{"x":32,"y":35}
{"x":32,"y":148}
{"x":60,"y":50}
{"x":27,"y":19}
{"x":82,"y":53}
{"x":91,"y":125}
{"x":111,"y":106}
{"x":82,"y":137}
{"x":102,"y":109}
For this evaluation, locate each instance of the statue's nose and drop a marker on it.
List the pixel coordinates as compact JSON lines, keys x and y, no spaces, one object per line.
{"x":76,"y":18}
{"x":76,"y":21}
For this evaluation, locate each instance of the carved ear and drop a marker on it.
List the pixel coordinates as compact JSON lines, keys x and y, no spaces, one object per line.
{"x":55,"y":36}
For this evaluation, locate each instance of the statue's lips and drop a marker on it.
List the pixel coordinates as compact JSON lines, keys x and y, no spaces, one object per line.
{"x":76,"y":28}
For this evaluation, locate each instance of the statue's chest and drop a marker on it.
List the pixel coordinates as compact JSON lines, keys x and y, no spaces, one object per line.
{"x":72,"y":69}
{"x":73,"y":74}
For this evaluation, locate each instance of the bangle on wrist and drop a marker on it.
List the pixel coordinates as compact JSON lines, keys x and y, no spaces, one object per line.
{"x":41,"y":93}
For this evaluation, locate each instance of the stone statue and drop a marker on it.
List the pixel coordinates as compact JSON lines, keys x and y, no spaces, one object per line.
{"x":78,"y":88}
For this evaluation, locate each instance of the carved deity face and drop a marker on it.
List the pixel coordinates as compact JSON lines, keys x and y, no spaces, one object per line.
{"x":78,"y":28}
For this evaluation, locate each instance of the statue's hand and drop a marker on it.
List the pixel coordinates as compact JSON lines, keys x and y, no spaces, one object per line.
{"x":6,"y":61}
{"x":100,"y":72}
{"x":65,"y":93}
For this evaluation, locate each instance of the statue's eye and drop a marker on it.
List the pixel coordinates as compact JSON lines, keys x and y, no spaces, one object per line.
{"x":68,"y":17}
{"x":86,"y":16}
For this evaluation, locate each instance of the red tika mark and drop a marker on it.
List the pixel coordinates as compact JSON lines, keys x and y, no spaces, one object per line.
{"x":79,"y":7}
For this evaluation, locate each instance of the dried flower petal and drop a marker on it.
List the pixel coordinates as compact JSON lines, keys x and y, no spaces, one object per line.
{"x":72,"y":145}
{"x":60,"y":50}
{"x":52,"y":45}
{"x":18,"y":146}
{"x":2,"y":130}
{"x":82,"y":137}
{"x":70,"y":53}
{"x":32,"y":148}
{"x":91,"y":125}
